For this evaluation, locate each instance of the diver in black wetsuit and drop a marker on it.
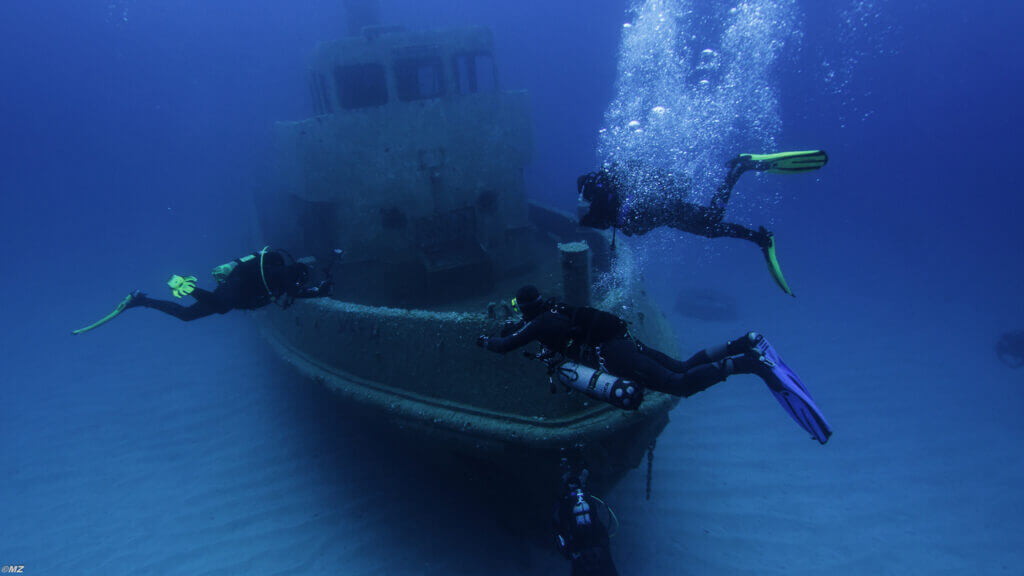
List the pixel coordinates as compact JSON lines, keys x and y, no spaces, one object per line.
{"x":246,"y":283}
{"x":602,"y":191}
{"x":604,"y":197}
{"x":597,"y":338}
{"x":580,"y":535}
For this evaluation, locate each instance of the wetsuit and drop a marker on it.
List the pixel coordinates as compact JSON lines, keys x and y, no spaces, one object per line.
{"x":605,"y":193}
{"x":598,"y":338}
{"x":244,"y":289}
{"x":581,"y":536}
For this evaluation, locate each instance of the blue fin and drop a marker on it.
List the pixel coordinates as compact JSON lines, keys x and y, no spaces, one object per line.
{"x":791,"y":393}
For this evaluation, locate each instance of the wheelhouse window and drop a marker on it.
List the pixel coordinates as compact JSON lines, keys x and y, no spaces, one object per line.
{"x":475,"y":73}
{"x":361,"y":85}
{"x":419,"y":78}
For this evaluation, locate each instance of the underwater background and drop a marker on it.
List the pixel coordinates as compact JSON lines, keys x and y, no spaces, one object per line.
{"x":134,"y":132}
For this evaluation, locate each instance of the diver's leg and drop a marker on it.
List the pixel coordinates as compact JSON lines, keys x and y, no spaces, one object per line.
{"x":720,"y":199}
{"x":715,"y":353}
{"x":200,"y":309}
{"x":705,"y":356}
{"x":761,"y":237}
{"x":662,"y":358}
{"x":704,"y":221}
{"x":622,"y":358}
{"x":704,"y":376}
{"x":705,"y":368}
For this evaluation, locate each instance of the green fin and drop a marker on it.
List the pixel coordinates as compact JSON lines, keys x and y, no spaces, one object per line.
{"x":181,"y":285}
{"x":787,"y":162}
{"x":773,"y":266}
{"x":120,"y":308}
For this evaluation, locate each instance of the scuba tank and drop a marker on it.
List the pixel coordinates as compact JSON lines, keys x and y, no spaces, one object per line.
{"x":581,"y":509}
{"x":599,"y":385}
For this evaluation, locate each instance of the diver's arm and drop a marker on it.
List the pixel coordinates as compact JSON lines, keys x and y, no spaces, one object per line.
{"x":321,"y":290}
{"x":528,"y":333}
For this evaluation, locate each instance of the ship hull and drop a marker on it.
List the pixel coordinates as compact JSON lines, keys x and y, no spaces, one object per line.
{"x":420,"y":371}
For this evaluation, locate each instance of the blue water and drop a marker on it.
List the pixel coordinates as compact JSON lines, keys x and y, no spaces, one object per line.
{"x":134,"y":132}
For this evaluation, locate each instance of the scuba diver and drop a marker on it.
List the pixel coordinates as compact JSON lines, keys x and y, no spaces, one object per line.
{"x":607,"y":204}
{"x":601,"y":343}
{"x":580,"y":535}
{"x":246,"y":283}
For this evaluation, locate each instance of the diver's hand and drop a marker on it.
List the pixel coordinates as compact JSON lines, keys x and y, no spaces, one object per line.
{"x":544,"y":354}
{"x":481,"y":341}
{"x":321,"y":290}
{"x":510,"y":326}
